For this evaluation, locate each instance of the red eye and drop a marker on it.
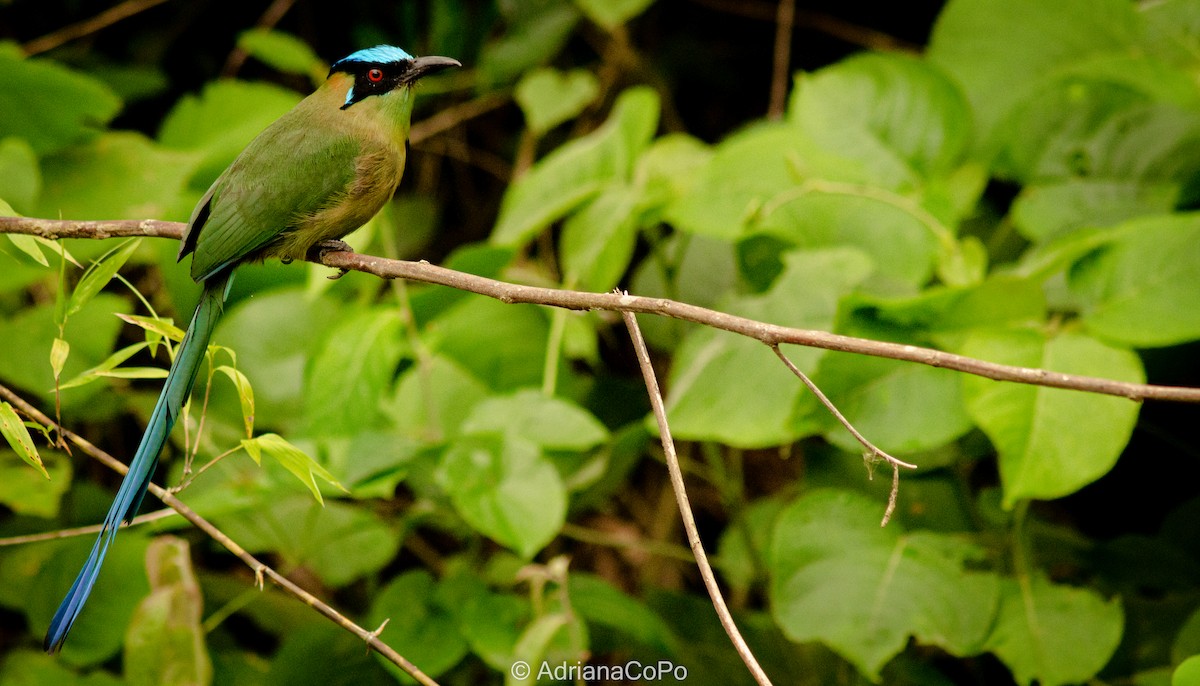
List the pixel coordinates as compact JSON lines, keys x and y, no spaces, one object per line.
{"x":375,"y":75}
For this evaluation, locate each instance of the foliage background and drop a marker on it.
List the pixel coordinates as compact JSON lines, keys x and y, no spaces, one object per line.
{"x":1010,"y":180}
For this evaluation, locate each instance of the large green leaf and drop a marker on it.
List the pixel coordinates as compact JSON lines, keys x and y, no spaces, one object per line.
{"x":283,"y":51}
{"x":338,"y":542}
{"x":347,"y":378}
{"x":1048,"y":210}
{"x":1054,"y":634}
{"x":898,"y":115}
{"x":119,"y":175}
{"x":578,"y":170}
{"x":416,"y":609}
{"x":1051,"y":441}
{"x":505,"y":487}
{"x":998,"y":52}
{"x":597,"y":241}
{"x":1141,"y":289}
{"x":49,"y":105}
{"x":612,"y":13}
{"x":532,"y":38}
{"x":501,"y":345}
{"x":549,"y":422}
{"x":732,"y":389}
{"x":863,"y":590}
{"x":433,"y":398}
{"x":20,"y":177}
{"x":220,"y":121}
{"x":549,"y":97}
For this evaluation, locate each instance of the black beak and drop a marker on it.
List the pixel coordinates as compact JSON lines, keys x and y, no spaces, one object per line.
{"x":424,"y":66}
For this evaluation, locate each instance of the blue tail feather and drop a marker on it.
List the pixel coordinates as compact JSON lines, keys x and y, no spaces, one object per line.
{"x":124,"y":508}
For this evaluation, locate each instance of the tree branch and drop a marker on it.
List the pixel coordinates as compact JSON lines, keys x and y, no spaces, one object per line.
{"x":769,"y":334}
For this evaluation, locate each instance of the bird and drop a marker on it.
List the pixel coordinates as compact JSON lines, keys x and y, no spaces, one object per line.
{"x":320,"y":171}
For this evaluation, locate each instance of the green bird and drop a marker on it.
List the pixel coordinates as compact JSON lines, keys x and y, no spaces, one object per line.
{"x":314,"y":175}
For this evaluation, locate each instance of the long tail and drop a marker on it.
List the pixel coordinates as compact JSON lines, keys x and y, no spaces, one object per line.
{"x":125,"y":506}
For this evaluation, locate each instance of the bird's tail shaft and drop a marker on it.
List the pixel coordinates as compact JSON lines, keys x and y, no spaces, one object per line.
{"x":176,"y":388}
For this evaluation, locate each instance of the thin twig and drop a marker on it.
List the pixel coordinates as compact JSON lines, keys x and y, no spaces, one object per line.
{"x":86,"y":27}
{"x":268,"y":20}
{"x":260,"y":569}
{"x":770,"y":334}
{"x":82,"y":530}
{"x":854,"y":34}
{"x":873,"y":451}
{"x":453,"y":116}
{"x":785,"y":20}
{"x":685,"y":508}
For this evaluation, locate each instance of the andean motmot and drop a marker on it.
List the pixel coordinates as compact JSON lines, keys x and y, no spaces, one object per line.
{"x":314,"y":175}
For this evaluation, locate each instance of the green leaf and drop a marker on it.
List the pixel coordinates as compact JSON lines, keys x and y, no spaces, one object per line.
{"x":433,"y":398}
{"x":17,"y":436}
{"x":973,"y":40}
{"x":1054,"y":634}
{"x":578,"y":170}
{"x":30,"y":334}
{"x":548,"y":422}
{"x":293,"y":459}
{"x":745,"y":171}
{"x":612,"y":13}
{"x":602,"y":605}
{"x":161,"y":326}
{"x":416,"y":608}
{"x":729,"y":388}
{"x":897,"y":115}
{"x":219,"y":122}
{"x":245,"y":395}
{"x":49,"y":105}
{"x":1187,"y":673}
{"x":20,"y":177}
{"x":506,"y":489}
{"x":119,"y":175}
{"x":99,"y":274}
{"x":348,"y":375}
{"x":1051,"y":442}
{"x":530,"y":40}
{"x":30,"y":668}
{"x":1045,"y":211}
{"x":338,"y":542}
{"x":1141,"y":289}
{"x":501,"y":345}
{"x":901,"y":245}
{"x":59,"y":351}
{"x":105,"y":368}
{"x":282,"y":51}
{"x":597,"y":241}
{"x":863,"y":590}
{"x":549,"y":97}
{"x":275,"y":364}
{"x":35,"y":493}
{"x":165,"y":641}
{"x":900,"y":406}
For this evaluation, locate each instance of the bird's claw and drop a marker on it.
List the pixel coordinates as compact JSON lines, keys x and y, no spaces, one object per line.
{"x":320,"y":250}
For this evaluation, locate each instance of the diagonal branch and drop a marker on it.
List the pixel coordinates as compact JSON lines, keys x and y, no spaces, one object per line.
{"x":770,"y":334}
{"x":371,"y":638}
{"x":685,"y":507}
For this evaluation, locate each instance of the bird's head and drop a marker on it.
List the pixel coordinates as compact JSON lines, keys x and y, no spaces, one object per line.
{"x":383,"y":69}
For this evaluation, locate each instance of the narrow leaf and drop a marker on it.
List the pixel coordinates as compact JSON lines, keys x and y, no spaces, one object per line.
{"x":99,"y":274}
{"x":29,"y":246}
{"x":102,"y":369}
{"x":162,"y":326}
{"x":18,"y":437}
{"x":245,"y":395}
{"x":58,"y":355}
{"x":293,"y":459}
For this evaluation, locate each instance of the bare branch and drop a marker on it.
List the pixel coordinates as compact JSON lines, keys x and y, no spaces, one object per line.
{"x":260,"y":569}
{"x":685,"y":507}
{"x":770,"y":334}
{"x":86,"y":27}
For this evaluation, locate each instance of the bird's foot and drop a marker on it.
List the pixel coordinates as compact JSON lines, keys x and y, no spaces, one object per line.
{"x":318,"y":252}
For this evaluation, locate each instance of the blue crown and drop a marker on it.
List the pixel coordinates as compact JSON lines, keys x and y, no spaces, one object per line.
{"x":383,"y":54}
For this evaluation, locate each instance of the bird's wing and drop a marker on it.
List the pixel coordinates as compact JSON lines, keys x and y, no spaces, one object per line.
{"x":290,"y":171}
